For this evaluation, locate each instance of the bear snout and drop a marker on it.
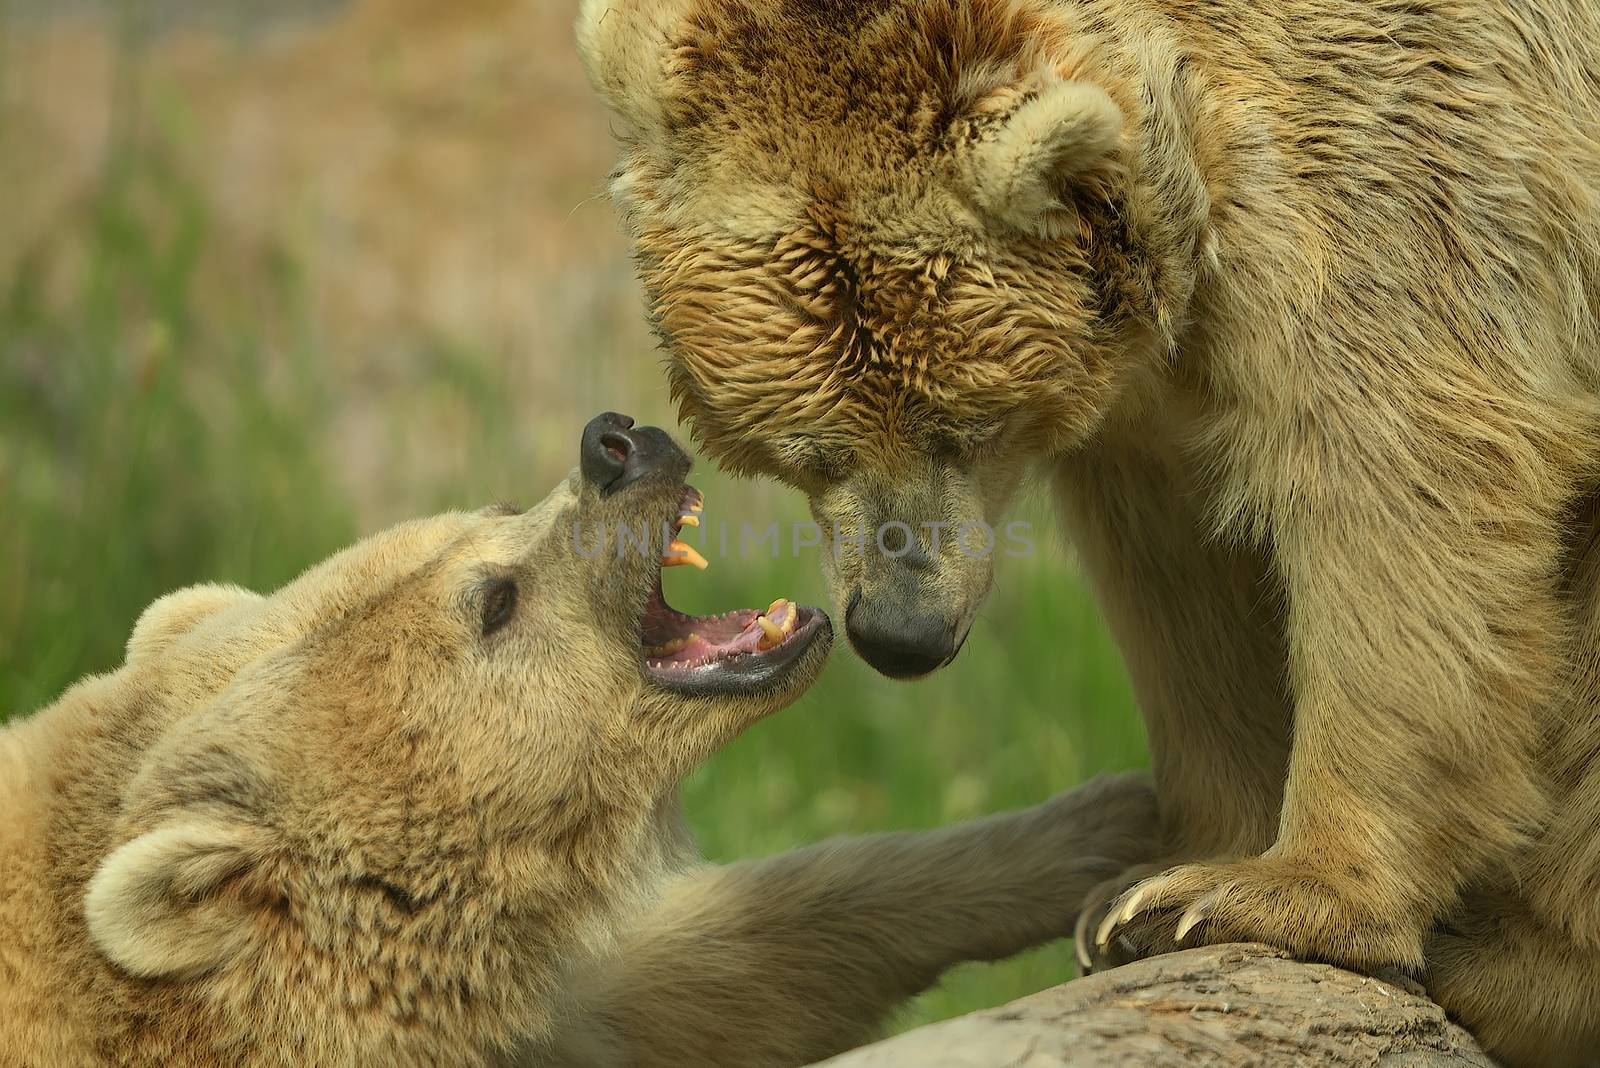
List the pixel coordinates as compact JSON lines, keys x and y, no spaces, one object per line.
{"x":614,"y":453}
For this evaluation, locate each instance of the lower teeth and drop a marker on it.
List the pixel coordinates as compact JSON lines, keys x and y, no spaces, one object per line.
{"x":669,"y":647}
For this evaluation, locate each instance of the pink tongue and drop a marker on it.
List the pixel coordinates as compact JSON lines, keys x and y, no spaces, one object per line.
{"x":701,"y":649}
{"x":743,"y":642}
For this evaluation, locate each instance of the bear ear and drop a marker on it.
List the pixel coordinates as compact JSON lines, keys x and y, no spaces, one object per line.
{"x":626,"y":47}
{"x":1065,"y":135}
{"x":172,"y":902}
{"x":176,"y":614}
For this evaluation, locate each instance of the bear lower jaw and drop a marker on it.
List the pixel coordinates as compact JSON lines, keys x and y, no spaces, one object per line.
{"x":737,"y":651}
{"x":674,"y":640}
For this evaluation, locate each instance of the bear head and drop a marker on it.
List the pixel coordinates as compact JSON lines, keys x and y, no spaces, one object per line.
{"x":368,"y":818}
{"x":897,"y":254}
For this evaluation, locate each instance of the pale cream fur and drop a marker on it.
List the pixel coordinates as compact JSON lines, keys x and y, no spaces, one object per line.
{"x":1311,"y":354}
{"x":345,"y":825}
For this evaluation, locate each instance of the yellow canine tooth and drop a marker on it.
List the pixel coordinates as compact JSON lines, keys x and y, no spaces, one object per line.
{"x":775,"y":605}
{"x":771,"y":634}
{"x":678,"y":553}
{"x":688,"y":521}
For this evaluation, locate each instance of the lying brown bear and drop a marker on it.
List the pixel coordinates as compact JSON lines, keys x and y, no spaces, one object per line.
{"x":419,"y":807}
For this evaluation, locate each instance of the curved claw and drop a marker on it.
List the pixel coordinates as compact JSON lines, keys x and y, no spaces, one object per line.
{"x":1080,"y":942}
{"x":1108,"y":923}
{"x":1198,"y":912}
{"x":1134,"y":902}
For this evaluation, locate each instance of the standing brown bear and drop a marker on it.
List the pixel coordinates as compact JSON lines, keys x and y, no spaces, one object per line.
{"x":1296,"y":305}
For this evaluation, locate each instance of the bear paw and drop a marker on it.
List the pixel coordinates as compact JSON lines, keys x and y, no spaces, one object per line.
{"x":1293,"y":906}
{"x":1122,"y":949}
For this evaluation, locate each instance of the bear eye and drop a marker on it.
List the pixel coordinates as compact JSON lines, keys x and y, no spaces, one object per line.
{"x":499,"y":604}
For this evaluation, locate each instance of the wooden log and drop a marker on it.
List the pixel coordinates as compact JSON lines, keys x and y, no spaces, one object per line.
{"x":1234,"y":1005}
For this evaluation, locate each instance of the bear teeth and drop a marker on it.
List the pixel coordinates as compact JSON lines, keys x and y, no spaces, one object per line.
{"x":680,"y":553}
{"x":773,"y":632}
{"x":667,"y":648}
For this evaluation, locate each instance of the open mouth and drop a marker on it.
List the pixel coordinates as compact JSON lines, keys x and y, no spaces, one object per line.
{"x":741,"y":649}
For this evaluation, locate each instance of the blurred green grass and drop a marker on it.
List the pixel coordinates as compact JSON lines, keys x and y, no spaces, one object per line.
{"x":145,"y":446}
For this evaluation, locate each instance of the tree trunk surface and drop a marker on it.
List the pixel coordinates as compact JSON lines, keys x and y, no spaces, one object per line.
{"x":1233,"y":1005}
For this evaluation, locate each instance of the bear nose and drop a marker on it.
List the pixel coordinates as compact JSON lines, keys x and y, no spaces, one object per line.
{"x":615,"y":454}
{"x":899,"y":644}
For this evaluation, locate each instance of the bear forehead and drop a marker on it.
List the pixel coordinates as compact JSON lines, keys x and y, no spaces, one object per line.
{"x":812,"y":259}
{"x":355,"y":584}
{"x":855,"y":92}
{"x":417,"y":565}
{"x":389,"y":560}
{"x":833,"y":127}
{"x":445,"y":546}
{"x":819,"y":338}
{"x":823,"y":332}
{"x":854,"y":67}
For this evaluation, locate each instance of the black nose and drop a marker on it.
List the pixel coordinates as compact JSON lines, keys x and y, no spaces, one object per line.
{"x":615,"y":453}
{"x":901,"y":645}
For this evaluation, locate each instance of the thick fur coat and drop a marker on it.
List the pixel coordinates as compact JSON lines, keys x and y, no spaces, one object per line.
{"x":418,"y":807}
{"x":1298,"y":306}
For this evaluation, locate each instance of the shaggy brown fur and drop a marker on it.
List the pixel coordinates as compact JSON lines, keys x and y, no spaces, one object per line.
{"x":349,"y":824}
{"x":1297,"y":305}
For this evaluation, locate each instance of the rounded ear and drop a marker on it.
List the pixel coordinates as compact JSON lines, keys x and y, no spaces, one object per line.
{"x":163,"y":905}
{"x":626,"y":47}
{"x":1067,"y":134}
{"x":170,"y":617}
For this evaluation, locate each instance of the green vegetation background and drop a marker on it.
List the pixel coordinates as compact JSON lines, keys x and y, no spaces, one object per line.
{"x":152,"y":435}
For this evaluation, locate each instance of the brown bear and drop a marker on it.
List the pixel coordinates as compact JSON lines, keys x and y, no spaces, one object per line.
{"x":419,"y":807}
{"x":1298,"y":307}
